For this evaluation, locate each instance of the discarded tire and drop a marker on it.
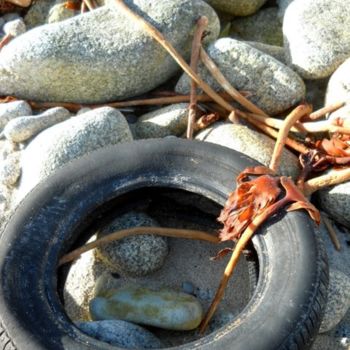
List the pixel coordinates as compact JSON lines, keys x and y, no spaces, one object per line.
{"x":283,"y":313}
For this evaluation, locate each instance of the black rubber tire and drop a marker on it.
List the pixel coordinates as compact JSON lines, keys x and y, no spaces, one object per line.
{"x":284,"y":312}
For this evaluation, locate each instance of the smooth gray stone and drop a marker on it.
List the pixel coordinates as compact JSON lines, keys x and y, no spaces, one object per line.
{"x":264,"y":27}
{"x":339,"y":282}
{"x":274,"y":86}
{"x":338,"y":90}
{"x":338,"y":301}
{"x":99,"y":56}
{"x":10,"y":170}
{"x":237,"y":7}
{"x":121,"y":333}
{"x":13,"y":110}
{"x":71,"y":139}
{"x":252,"y":143}
{"x":272,"y":50}
{"x":335,"y":201}
{"x":317,"y":36}
{"x":23,"y":128}
{"x":164,"y":308}
{"x":15,"y":27}
{"x":137,"y":255}
{"x":282,"y":6}
{"x":170,"y":120}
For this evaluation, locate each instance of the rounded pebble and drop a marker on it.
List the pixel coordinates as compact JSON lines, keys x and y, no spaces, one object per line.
{"x":164,"y":308}
{"x":135,"y":255}
{"x":15,"y":27}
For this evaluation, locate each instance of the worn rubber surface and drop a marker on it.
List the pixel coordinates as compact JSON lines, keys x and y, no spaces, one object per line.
{"x":284,"y":312}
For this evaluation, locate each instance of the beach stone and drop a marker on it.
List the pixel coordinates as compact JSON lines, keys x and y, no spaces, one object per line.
{"x":337,"y":260}
{"x":264,"y":27}
{"x":38,"y":13}
{"x":237,"y":7}
{"x":276,"y":89}
{"x":163,"y":308}
{"x":15,"y":27}
{"x":338,"y":89}
{"x":71,"y":139}
{"x":322,"y":41}
{"x":170,"y":120}
{"x":338,"y":301}
{"x":335,"y":201}
{"x":23,"y":128}
{"x":339,"y":266}
{"x":276,"y":52}
{"x":251,"y":143}
{"x":316,"y":92}
{"x":122,"y":59}
{"x":121,"y":333}
{"x":10,"y":170}
{"x":137,"y":255}
{"x":13,"y":110}
{"x":60,"y":12}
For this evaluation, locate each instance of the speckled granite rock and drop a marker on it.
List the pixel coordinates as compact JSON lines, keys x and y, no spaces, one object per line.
{"x":321,"y":41}
{"x":80,"y":284}
{"x":249,"y":142}
{"x":71,"y":139}
{"x":339,"y":281}
{"x":121,"y":58}
{"x":338,"y":301}
{"x":315,"y":92}
{"x":121,"y":333}
{"x":60,"y":12}
{"x":170,"y":120}
{"x":10,"y":170}
{"x":263,"y":27}
{"x":272,"y":50}
{"x":336,"y":202}
{"x":38,"y":12}
{"x":135,"y":255}
{"x":13,"y":110}
{"x":338,"y":89}
{"x":237,"y":7}
{"x":274,"y":86}
{"x":159,"y":308}
{"x":22,"y":128}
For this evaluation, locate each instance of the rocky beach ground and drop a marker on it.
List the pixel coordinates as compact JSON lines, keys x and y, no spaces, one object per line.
{"x":278,"y":53}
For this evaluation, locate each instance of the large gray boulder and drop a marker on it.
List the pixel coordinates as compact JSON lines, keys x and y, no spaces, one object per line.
{"x":274,"y":86}
{"x":100,"y":56}
{"x":71,"y":139}
{"x":317,"y":37}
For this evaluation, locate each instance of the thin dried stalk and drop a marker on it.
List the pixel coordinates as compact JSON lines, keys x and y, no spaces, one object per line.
{"x":172,"y":51}
{"x":89,"y":4}
{"x":74,"y":107}
{"x":204,"y":121}
{"x":331,"y":232}
{"x":83,"y":8}
{"x":327,"y":109}
{"x":334,"y":177}
{"x":160,"y":231}
{"x":5,"y":40}
{"x":219,"y":77}
{"x":293,"y":144}
{"x":21,"y":3}
{"x":202,"y":23}
{"x":291,"y":119}
{"x":241,"y":244}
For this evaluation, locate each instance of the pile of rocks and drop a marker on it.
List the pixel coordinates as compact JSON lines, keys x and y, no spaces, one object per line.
{"x":281,"y":52}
